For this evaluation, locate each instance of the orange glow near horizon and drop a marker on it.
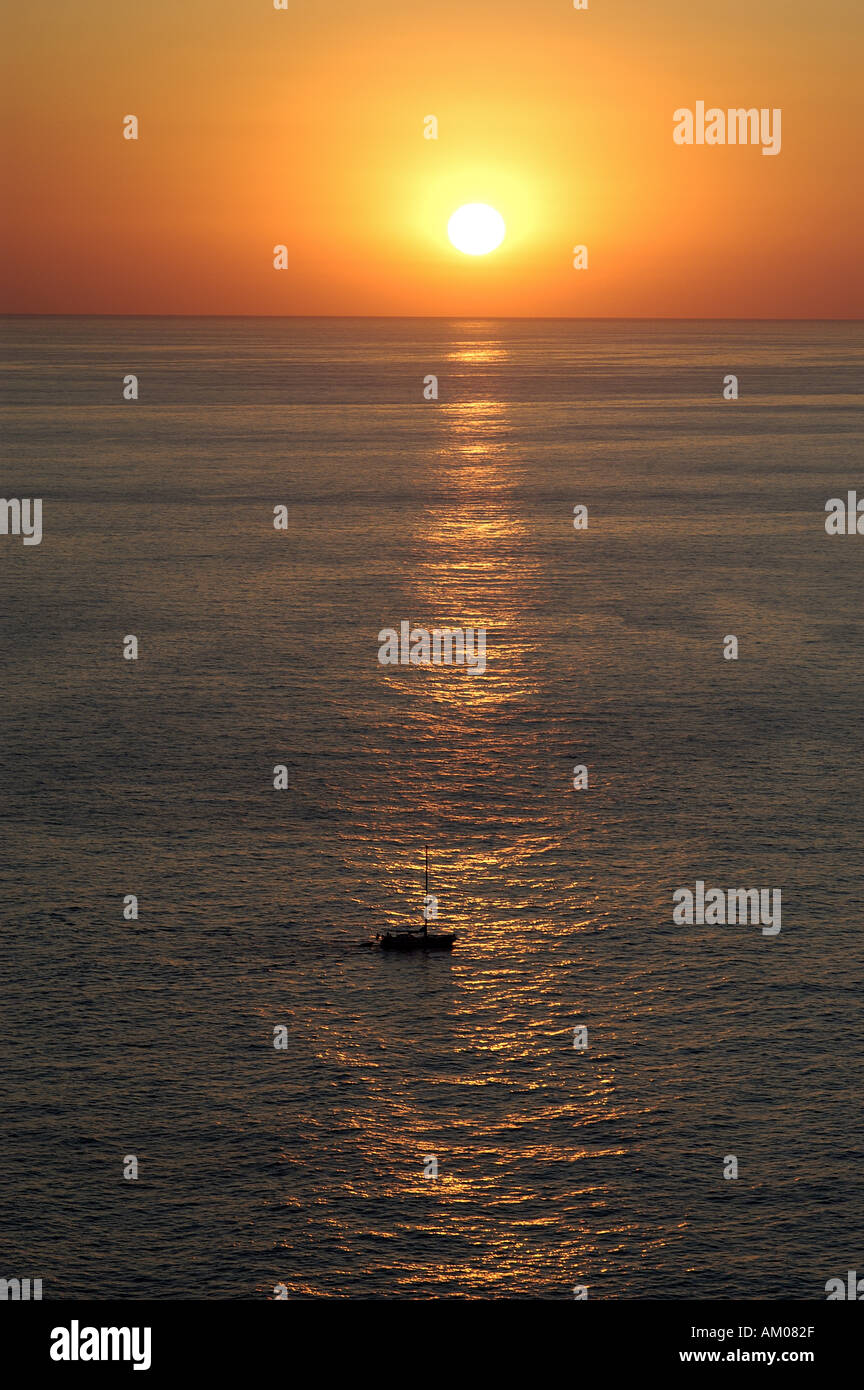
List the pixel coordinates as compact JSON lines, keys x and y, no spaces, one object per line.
{"x":304,"y":128}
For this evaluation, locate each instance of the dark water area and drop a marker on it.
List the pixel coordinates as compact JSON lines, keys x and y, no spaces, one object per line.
{"x":154,"y":1037}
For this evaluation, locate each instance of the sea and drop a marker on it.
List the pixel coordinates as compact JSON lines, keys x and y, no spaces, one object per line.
{"x":558,"y":1104}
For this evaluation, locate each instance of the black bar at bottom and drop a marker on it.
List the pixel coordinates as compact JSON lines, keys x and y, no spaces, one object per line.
{"x":240,"y":1339}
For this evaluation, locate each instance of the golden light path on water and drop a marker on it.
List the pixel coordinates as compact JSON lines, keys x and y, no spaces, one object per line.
{"x":482,"y":1087}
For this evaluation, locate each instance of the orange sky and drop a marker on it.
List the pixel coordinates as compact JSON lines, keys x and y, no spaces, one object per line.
{"x":305,"y":127}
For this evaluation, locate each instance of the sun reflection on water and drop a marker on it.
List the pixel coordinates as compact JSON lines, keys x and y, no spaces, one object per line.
{"x":481,"y":1033}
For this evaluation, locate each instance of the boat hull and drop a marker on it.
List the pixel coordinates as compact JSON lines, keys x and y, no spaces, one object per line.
{"x":399,"y":941}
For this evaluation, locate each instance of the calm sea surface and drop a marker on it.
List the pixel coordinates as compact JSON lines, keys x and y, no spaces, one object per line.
{"x":258,"y":647}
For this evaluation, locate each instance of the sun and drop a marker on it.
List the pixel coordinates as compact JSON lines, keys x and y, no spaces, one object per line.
{"x":476,"y":229}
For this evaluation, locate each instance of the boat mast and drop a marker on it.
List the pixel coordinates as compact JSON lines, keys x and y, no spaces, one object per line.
{"x":426,"y":898}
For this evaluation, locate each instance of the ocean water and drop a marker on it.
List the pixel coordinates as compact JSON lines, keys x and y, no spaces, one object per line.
{"x":258,"y":647}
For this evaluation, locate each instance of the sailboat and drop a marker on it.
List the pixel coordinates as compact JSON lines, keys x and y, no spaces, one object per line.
{"x":417,"y":938}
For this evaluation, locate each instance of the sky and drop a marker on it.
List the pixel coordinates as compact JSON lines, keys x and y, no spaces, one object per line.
{"x":304,"y":127}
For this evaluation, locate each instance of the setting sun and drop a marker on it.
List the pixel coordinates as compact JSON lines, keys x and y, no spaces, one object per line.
{"x":476,"y":229}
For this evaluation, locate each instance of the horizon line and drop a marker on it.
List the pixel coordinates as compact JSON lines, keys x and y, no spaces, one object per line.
{"x":497,"y":318}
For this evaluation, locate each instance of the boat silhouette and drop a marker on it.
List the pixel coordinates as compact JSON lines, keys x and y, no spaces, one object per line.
{"x":417,"y":938}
